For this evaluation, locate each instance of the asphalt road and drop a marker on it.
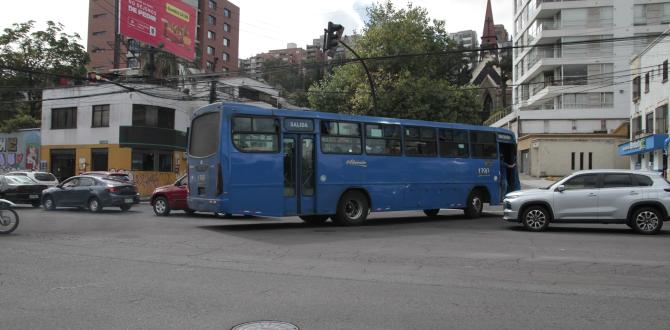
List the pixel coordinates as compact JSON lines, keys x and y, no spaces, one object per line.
{"x":72,"y":269}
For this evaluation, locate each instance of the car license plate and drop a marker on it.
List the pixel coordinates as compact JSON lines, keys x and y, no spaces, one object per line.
{"x":128,"y":200}
{"x":34,"y":196}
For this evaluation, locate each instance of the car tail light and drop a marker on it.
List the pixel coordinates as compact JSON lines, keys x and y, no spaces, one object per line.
{"x":112,"y":189}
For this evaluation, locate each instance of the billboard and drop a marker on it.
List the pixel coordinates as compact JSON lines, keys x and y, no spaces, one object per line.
{"x":170,"y":23}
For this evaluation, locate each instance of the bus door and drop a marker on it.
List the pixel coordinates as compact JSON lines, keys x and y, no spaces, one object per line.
{"x":299,"y":172}
{"x":507,"y":151}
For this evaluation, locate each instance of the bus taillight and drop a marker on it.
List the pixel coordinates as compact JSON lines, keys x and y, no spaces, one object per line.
{"x":219,"y":180}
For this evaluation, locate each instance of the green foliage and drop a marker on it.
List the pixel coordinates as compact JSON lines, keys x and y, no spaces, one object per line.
{"x":428,"y":87}
{"x":292,"y":80}
{"x":34,"y":53}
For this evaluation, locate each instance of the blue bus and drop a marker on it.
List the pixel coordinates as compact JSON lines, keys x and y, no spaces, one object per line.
{"x":244,"y":159}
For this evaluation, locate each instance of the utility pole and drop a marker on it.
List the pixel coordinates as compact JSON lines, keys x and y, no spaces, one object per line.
{"x":117,"y":36}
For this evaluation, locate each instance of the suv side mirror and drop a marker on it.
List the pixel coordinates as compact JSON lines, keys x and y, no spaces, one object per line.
{"x":560,"y":188}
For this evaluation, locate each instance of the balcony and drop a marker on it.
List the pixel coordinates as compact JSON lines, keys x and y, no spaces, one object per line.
{"x":152,"y":137}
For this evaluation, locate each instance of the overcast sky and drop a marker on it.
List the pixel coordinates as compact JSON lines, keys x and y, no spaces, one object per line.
{"x":268,"y":24}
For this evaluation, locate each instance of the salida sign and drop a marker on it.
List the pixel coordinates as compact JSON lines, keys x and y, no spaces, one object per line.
{"x":160,"y":22}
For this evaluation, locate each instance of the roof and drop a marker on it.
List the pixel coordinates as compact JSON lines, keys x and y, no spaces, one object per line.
{"x":307,"y":113}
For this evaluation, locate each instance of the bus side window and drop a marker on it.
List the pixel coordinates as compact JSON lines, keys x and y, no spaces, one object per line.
{"x":483,"y":145}
{"x":382,"y":139}
{"x":340,"y":137}
{"x":454,"y":143}
{"x":256,"y":134}
{"x":420,"y":141}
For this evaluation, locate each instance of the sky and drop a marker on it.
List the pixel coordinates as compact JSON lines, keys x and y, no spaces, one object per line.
{"x":268,"y":24}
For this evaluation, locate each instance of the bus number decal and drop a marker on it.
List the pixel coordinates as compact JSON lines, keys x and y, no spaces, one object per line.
{"x":484,"y":171}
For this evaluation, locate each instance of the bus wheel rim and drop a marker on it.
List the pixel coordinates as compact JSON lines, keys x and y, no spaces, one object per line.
{"x":477,"y":203}
{"x":353,"y":209}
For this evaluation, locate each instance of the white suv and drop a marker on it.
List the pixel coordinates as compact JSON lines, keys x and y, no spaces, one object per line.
{"x":638,"y":199}
{"x":44,"y":178}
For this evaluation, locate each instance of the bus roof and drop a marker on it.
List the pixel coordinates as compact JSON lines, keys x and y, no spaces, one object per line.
{"x":308,"y":113}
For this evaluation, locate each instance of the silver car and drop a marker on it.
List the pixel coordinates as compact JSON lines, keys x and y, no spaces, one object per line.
{"x":638,"y":199}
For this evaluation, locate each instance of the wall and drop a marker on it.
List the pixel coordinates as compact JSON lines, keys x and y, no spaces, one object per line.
{"x":553,"y":156}
{"x":20,"y":150}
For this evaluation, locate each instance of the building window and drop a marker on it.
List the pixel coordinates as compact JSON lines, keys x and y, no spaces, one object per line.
{"x":210,"y":66}
{"x":226,"y":57}
{"x":212,"y":4}
{"x":226,"y":12}
{"x":636,"y":89}
{"x":151,"y":160}
{"x":590,"y":160}
{"x":211,"y":35}
{"x":646,"y":82}
{"x":665,"y":71}
{"x":662,"y":119}
{"x":211,"y":20}
{"x":226,"y":42}
{"x":637,"y":126}
{"x":100,"y":116}
{"x":153,"y":116}
{"x":581,"y":160}
{"x":99,"y":15}
{"x":133,"y":63}
{"x":573,"y":161}
{"x":649,"y":123}
{"x":210,"y":50}
{"x":226,"y":27}
{"x":62,"y":118}
{"x":99,"y":33}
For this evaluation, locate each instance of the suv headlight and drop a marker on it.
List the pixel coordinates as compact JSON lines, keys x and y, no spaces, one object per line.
{"x":512,"y":196}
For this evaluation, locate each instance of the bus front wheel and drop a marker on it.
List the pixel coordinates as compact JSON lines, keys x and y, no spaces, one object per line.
{"x":314,"y":219}
{"x":352,"y":210}
{"x":475,"y":205}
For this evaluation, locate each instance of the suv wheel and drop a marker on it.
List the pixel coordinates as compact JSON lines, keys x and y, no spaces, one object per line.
{"x":536,"y":218}
{"x":647,"y":221}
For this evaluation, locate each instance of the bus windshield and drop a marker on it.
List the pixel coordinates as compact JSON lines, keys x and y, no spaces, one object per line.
{"x":204,"y":135}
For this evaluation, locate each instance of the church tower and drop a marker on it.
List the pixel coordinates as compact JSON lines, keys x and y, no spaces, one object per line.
{"x":489,"y":43}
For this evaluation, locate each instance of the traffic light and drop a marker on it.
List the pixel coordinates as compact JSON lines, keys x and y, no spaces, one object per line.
{"x":331,"y":36}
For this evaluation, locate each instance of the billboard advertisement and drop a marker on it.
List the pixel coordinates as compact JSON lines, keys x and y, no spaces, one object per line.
{"x":170,"y":23}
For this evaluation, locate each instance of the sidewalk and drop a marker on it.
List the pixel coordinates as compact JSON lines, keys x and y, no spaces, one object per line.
{"x":529,"y":182}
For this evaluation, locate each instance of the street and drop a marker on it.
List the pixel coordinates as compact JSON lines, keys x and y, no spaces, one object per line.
{"x":73,"y":269}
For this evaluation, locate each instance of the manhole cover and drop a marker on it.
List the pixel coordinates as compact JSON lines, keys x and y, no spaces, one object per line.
{"x":266,"y":325}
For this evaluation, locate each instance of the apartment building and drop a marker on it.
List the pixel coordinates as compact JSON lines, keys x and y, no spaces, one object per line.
{"x":649,"y":107}
{"x":469,"y":40}
{"x":571,"y":71}
{"x":217,"y":40}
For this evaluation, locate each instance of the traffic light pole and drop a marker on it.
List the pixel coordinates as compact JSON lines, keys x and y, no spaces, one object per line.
{"x":370,"y":81}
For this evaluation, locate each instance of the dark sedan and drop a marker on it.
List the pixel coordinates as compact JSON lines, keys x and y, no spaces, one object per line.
{"x":91,"y":192}
{"x":21,"y":189}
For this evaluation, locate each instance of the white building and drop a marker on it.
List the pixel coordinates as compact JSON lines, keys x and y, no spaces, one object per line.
{"x":649,"y":107}
{"x":574,"y":83}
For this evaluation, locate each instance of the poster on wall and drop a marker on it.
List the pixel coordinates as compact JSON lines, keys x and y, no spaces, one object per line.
{"x":166,"y":24}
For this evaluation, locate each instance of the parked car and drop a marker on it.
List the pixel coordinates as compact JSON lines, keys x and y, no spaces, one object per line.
{"x":20,"y":189}
{"x":125,"y":177}
{"x":44,"y":178}
{"x":91,"y":192}
{"x":172,"y":197}
{"x":638,"y":199}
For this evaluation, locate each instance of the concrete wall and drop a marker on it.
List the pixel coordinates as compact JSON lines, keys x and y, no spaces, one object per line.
{"x":20,"y":150}
{"x":553,"y":156}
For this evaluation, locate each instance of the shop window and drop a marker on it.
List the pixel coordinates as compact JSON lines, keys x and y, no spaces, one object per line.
{"x":151,"y":160}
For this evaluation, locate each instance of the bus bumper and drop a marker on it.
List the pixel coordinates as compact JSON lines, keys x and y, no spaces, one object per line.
{"x":207,"y":205}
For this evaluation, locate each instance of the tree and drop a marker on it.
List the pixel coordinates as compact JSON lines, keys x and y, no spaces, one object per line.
{"x":29,"y":62}
{"x":292,"y":80}
{"x":417,"y":70}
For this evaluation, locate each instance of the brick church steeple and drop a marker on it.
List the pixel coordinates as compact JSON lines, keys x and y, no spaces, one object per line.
{"x":489,"y":43}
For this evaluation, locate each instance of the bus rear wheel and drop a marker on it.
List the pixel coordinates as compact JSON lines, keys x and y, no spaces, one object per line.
{"x":475,"y":205}
{"x":352,"y":210}
{"x":314,"y":219}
